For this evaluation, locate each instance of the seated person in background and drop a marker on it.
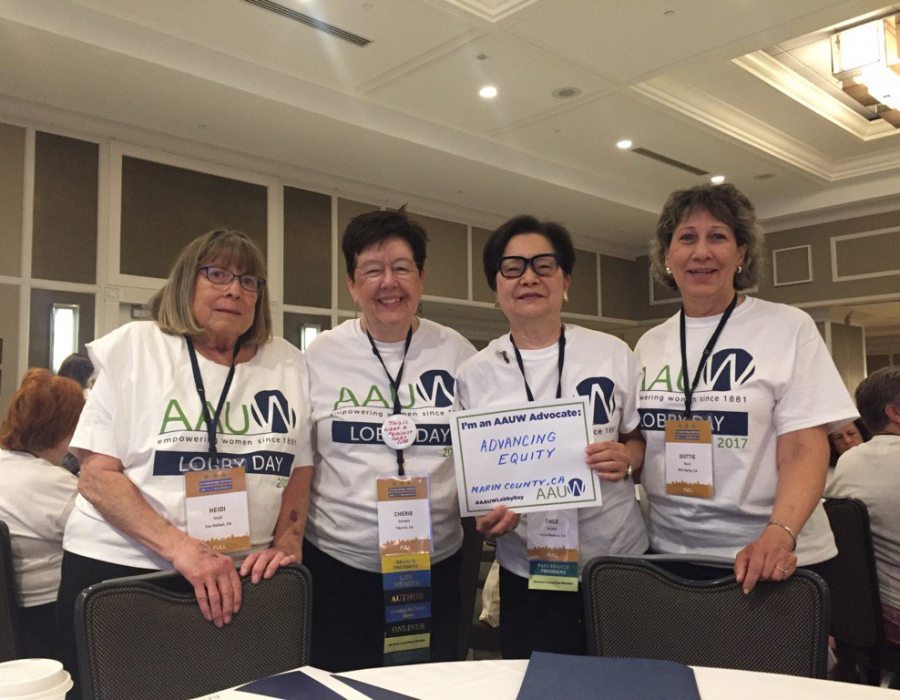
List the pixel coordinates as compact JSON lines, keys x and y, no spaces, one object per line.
{"x":80,"y":368}
{"x":871,"y":473}
{"x":37,"y":497}
{"x":847,"y":436}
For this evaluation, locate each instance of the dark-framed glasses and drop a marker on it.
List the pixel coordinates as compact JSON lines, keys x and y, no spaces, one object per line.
{"x":221,"y":277}
{"x":544,"y":265}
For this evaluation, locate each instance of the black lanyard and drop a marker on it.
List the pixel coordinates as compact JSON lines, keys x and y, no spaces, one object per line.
{"x":395,"y":383}
{"x":707,"y":351}
{"x":211,"y":422}
{"x":560,"y":362}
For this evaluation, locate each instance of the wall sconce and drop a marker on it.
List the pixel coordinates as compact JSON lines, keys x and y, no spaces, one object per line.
{"x":865,"y":59}
{"x":63,"y":333}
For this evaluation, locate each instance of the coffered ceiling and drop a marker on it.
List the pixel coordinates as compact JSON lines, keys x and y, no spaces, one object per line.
{"x":731,"y":87}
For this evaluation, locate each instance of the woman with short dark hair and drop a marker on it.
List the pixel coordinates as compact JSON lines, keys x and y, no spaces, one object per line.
{"x":528,"y":263}
{"x":37,"y":497}
{"x":387,"y":365}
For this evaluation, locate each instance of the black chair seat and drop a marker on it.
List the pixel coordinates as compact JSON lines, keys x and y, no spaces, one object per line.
{"x":143,"y":637}
{"x":634,"y":608}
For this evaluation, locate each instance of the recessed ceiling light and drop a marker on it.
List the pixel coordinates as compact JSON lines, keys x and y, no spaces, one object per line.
{"x":488,"y":92}
{"x":624,"y":144}
{"x":717,"y":179}
{"x":566,"y":93}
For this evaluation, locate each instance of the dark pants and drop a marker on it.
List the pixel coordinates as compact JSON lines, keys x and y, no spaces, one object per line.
{"x":79,"y":573}
{"x":37,"y":637}
{"x":348,"y":612}
{"x":539,"y":620}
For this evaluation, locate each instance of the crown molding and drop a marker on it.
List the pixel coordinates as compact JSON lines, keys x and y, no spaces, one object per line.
{"x":716,"y":114}
{"x":771,"y":71}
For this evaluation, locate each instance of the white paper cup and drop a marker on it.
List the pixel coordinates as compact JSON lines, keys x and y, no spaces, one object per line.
{"x":34,"y":679}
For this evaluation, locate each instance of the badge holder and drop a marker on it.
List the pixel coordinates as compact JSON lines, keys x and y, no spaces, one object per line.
{"x":552,"y":548}
{"x":217,"y":510}
{"x":405,"y":544}
{"x":689,"y":467}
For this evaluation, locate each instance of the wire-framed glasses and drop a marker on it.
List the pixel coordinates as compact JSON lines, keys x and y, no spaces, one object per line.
{"x":221,"y":277}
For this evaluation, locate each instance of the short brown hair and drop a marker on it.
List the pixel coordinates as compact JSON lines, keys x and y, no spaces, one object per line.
{"x":43,"y":412}
{"x":875,"y":393}
{"x":724,"y":202}
{"x":172,"y":306}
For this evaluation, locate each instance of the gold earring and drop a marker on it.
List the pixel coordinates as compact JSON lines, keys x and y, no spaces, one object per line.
{"x":565,"y":297}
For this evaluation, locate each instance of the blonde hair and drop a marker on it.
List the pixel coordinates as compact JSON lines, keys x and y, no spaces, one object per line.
{"x":172,"y":306}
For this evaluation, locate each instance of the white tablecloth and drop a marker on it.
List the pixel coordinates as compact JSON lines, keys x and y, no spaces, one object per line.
{"x":501,"y":680}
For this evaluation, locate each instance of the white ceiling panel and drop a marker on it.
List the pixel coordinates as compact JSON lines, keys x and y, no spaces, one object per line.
{"x":445,"y":90}
{"x":400,"y":31}
{"x":627,"y":40}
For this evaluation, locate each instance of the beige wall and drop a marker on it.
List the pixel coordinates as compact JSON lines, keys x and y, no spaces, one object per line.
{"x":848,"y":352}
{"x":12,"y":194}
{"x":865,"y":255}
{"x":9,"y":335}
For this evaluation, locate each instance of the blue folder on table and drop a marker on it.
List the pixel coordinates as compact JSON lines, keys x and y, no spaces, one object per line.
{"x":606,"y":678}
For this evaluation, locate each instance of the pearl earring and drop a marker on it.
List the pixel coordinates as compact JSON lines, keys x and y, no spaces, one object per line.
{"x":740,"y":269}
{"x":668,"y":270}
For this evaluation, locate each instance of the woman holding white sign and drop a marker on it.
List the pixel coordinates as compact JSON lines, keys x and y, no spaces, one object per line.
{"x":736,"y":401}
{"x":528,"y":263}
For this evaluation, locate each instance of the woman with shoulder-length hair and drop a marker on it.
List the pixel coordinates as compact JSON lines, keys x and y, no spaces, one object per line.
{"x":528,"y":263}
{"x":37,"y":497}
{"x":181,"y":394}
{"x":757,"y":378}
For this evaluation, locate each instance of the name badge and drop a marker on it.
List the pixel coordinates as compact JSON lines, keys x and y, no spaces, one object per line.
{"x":405,"y":544}
{"x":404,"y":515}
{"x":689,"y":464}
{"x":216,"y":508}
{"x":398,"y":432}
{"x":553,"y":550}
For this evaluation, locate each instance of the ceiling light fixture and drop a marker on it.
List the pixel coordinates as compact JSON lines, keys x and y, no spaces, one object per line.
{"x":865,"y":59}
{"x":717,"y":179}
{"x":624,"y":144}
{"x":488,"y":92}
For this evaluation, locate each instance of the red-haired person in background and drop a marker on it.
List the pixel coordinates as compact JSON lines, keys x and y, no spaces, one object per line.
{"x":37,"y":497}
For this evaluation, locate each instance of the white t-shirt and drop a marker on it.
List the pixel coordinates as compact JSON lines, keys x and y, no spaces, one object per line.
{"x":769,"y":374}
{"x":35,"y":502}
{"x":144,"y":410}
{"x":351,"y":398}
{"x":871,"y":473}
{"x":598,"y":366}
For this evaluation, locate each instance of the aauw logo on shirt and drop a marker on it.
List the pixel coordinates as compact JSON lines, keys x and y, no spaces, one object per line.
{"x":726,"y":370}
{"x":602,"y":393}
{"x":269,"y":412}
{"x":436,"y":387}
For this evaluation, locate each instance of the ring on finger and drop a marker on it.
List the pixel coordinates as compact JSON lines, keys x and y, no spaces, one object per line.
{"x":784,"y":571}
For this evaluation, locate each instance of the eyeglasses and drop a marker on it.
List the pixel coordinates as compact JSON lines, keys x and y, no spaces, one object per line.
{"x":514,"y":266}
{"x":221,"y":277}
{"x":401,"y":270}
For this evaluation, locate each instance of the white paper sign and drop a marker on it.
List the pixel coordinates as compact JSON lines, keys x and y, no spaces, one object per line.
{"x":529,"y":457}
